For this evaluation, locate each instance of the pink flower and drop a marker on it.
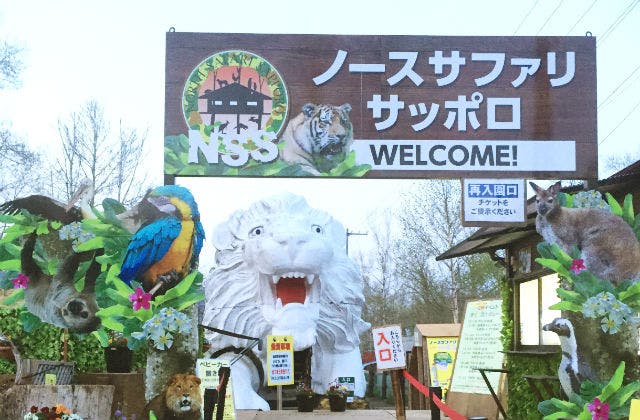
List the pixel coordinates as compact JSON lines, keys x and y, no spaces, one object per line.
{"x":20,"y":282}
{"x":140,"y":299}
{"x":599,"y":409}
{"x":577,"y":266}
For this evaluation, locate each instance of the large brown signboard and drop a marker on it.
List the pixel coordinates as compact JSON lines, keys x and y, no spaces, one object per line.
{"x":380,"y":106}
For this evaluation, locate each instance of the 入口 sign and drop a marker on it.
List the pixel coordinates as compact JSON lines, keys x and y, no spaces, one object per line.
{"x":380,"y":106}
{"x":490,"y":202}
{"x":388,"y":347}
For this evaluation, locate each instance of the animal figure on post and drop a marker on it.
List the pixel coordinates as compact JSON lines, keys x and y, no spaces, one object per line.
{"x":609,"y":246}
{"x":53,"y":298}
{"x":181,"y":400}
{"x":281,"y":269}
{"x":167,"y":246}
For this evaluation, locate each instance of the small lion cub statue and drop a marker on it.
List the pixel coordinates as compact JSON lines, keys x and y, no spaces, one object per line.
{"x":609,"y":246}
{"x":180,"y":401}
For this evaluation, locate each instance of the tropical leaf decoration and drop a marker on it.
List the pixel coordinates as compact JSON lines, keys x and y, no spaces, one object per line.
{"x":176,"y":152}
{"x":105,"y":233}
{"x":582,"y":291}
{"x":613,"y":393}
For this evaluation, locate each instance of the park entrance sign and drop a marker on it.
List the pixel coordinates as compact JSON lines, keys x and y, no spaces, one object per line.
{"x":380,"y":106}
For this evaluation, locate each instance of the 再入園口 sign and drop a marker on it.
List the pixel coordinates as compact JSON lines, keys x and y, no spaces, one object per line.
{"x":388,"y":347}
{"x":493,"y":201}
{"x":280,"y":359}
{"x":380,"y":106}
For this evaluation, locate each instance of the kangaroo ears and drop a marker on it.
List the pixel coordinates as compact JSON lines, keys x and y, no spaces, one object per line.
{"x":535,"y":187}
{"x":555,"y":188}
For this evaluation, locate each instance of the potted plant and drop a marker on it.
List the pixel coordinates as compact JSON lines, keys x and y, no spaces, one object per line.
{"x":306,"y":398}
{"x":337,"y":397}
{"x":117,"y":355}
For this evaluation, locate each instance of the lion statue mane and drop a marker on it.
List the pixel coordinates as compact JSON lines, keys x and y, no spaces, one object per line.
{"x":281,"y":269}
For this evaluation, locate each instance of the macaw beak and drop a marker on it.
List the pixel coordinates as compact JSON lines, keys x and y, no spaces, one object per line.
{"x":162,"y":203}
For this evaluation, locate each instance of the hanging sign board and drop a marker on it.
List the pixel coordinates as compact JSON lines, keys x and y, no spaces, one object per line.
{"x":280,"y":359}
{"x":441,"y":352}
{"x":493,"y":202}
{"x":380,"y":106}
{"x":387,"y":344}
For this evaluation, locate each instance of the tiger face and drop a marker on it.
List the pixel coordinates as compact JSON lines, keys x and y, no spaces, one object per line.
{"x":319,"y":137}
{"x":329,"y":128}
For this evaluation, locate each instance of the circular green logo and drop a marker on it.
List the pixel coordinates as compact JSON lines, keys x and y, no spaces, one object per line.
{"x":235,"y":93}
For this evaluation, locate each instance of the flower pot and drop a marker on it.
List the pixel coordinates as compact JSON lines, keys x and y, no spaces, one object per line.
{"x":118,"y":359}
{"x":337,"y":402}
{"x":305,"y":403}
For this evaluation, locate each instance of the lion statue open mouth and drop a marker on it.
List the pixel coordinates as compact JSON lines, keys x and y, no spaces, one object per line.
{"x":282,"y":269}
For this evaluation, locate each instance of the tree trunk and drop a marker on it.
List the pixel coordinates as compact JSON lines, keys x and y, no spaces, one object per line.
{"x":602,"y":351}
{"x":180,"y":358}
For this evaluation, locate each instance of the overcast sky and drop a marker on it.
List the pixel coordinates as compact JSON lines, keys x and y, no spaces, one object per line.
{"x":114,"y":51}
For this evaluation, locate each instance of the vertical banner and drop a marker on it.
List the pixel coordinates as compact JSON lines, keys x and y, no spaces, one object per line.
{"x":387,"y":344}
{"x":280,"y":359}
{"x":216,"y":389}
{"x":442,"y":354}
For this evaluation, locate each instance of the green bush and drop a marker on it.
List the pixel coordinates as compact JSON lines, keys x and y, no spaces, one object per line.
{"x":46,"y":343}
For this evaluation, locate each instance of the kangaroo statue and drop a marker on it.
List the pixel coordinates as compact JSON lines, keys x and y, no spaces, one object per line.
{"x":609,"y":246}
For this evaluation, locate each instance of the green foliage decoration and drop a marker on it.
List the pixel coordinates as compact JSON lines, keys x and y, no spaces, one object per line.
{"x":613,"y":392}
{"x":104,"y":233}
{"x":522,"y":404}
{"x":46,"y":343}
{"x":176,"y":151}
{"x":582,"y":291}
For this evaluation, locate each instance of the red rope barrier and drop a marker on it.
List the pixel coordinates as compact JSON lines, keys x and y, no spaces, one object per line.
{"x":450,"y":412}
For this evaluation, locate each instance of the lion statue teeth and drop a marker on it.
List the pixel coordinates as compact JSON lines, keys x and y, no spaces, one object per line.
{"x":281,"y":269}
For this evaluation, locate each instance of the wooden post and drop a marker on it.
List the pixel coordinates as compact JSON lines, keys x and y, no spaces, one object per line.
{"x":396,"y":376}
{"x":279,"y":397}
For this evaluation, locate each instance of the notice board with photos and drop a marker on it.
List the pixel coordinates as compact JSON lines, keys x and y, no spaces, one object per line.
{"x":479,"y":346}
{"x":380,"y":106}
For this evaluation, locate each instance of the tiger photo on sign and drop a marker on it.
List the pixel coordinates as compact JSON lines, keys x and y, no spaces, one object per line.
{"x":319,"y":138}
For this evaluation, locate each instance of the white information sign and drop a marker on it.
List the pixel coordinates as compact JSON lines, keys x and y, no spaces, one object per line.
{"x":216,"y":388}
{"x":494,"y":200}
{"x":387,"y":344}
{"x":479,"y":347}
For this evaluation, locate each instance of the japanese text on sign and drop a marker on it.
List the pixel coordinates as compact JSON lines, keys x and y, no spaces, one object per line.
{"x":216,"y":386}
{"x":449,"y":67}
{"x":388,"y":347}
{"x":480,"y":347}
{"x":280,"y":359}
{"x":494,"y":200}
{"x":409,"y":106}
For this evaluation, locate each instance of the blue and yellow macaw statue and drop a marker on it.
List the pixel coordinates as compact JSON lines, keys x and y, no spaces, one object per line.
{"x":167,"y":246}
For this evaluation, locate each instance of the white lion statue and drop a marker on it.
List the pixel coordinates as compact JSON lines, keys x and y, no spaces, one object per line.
{"x":281,"y":269}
